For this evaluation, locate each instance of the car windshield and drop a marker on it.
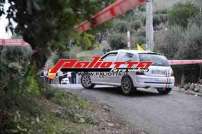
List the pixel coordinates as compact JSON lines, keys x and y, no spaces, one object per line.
{"x":157,"y":60}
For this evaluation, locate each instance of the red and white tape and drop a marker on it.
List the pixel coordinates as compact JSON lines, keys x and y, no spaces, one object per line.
{"x":184,"y":62}
{"x":119,"y":7}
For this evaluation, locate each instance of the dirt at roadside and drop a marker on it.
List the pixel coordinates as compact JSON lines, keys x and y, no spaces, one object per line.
{"x":109,"y":122}
{"x":190,"y":91}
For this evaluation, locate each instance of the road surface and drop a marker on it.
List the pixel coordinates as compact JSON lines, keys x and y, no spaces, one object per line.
{"x":176,"y":113}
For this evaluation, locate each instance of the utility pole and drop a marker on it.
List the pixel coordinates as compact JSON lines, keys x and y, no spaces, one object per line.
{"x":129,"y":40}
{"x":149,"y":26}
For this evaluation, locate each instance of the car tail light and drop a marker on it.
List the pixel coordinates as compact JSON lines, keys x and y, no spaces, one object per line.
{"x":139,"y":73}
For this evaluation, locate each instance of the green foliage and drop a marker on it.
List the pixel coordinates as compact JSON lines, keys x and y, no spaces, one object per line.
{"x":136,"y":25}
{"x":45,"y":25}
{"x":167,"y":42}
{"x":49,"y":93}
{"x":159,"y":18}
{"x":51,"y":61}
{"x":14,"y":63}
{"x":74,"y":107}
{"x":191,"y":47}
{"x":196,"y":20}
{"x":86,"y":41}
{"x":50,"y":24}
{"x":31,"y":84}
{"x":140,"y":40}
{"x":117,"y":41}
{"x":17,"y":112}
{"x":68,"y":100}
{"x":134,"y":21}
{"x":162,"y":5}
{"x":61,"y":113}
{"x":120,"y":26}
{"x":53,"y":20}
{"x":181,"y":43}
{"x":180,"y":14}
{"x":183,"y":38}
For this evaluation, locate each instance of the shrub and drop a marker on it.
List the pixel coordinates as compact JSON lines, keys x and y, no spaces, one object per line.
{"x":86,"y":41}
{"x":117,"y":41}
{"x":181,"y":12}
{"x":136,"y":25}
{"x":191,"y":47}
{"x":14,"y":62}
{"x":167,"y":42}
{"x":120,"y":26}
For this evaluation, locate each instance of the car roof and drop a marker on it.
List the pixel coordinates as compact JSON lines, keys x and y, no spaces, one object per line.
{"x":132,"y":51}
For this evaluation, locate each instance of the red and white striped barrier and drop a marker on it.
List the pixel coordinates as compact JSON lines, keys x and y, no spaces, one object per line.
{"x":119,"y":7}
{"x":13,"y":42}
{"x":184,"y":62}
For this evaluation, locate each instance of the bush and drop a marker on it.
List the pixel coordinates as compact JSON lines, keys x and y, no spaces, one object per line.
{"x":191,"y":47}
{"x":14,"y":62}
{"x":180,"y":14}
{"x":195,"y":20}
{"x":86,"y":41}
{"x":160,"y":18}
{"x":62,"y":113}
{"x":180,"y":43}
{"x":167,"y":42}
{"x":136,"y":25}
{"x":120,"y":26}
{"x":140,"y":40}
{"x":117,"y":41}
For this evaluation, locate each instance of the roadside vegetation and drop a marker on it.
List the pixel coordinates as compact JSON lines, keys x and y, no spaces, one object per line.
{"x":55,"y":112}
{"x":182,"y":38}
{"x":27,"y":105}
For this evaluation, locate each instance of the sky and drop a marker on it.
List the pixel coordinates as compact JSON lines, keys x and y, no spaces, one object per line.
{"x":3,"y":33}
{"x":3,"y":24}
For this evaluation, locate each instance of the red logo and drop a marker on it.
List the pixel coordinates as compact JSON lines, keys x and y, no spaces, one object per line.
{"x":96,"y":65}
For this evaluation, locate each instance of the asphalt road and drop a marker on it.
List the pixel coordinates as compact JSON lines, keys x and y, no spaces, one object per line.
{"x":176,"y":113}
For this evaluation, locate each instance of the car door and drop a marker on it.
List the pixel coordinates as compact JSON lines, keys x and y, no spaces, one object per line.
{"x":125,"y":57}
{"x":106,"y":79}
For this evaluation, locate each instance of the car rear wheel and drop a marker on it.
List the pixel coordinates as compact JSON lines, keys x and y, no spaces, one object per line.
{"x":86,"y":81}
{"x":164,"y":91}
{"x":127,"y":85}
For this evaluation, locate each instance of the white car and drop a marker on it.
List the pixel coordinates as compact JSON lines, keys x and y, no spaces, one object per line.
{"x":65,"y":81}
{"x":160,"y":75}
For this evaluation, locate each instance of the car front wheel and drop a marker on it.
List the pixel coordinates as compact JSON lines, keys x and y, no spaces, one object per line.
{"x":86,"y":81}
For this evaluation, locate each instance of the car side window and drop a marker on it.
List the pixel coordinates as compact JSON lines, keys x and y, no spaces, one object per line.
{"x":110,"y":57}
{"x":128,"y":57}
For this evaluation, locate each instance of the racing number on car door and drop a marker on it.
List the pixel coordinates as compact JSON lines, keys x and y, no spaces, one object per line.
{"x":125,"y":57}
{"x":105,"y":76}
